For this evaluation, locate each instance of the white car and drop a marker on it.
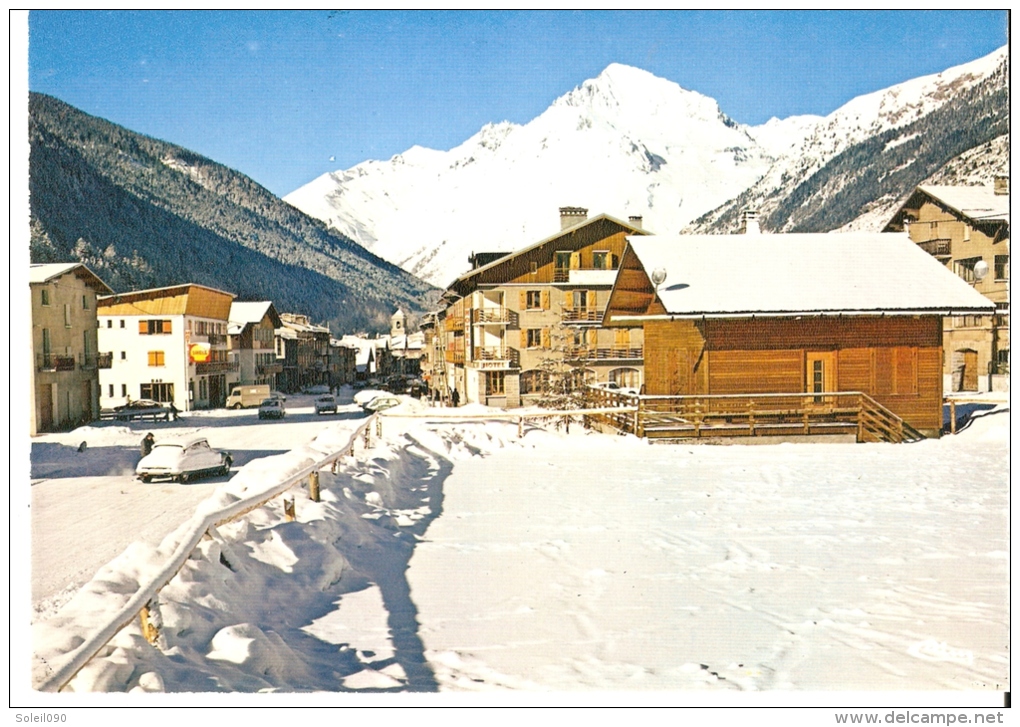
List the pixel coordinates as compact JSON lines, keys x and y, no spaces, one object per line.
{"x":183,"y":459}
{"x":379,"y":403}
{"x":615,"y":387}
{"x":325,"y":405}
{"x":272,"y":408}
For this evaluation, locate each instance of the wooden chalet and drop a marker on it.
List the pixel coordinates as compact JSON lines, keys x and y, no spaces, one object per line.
{"x":788,"y":334}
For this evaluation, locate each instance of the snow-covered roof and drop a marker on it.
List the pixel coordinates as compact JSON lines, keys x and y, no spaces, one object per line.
{"x":811,"y":273}
{"x":286,"y":333}
{"x":976,"y":203}
{"x":248,"y":312}
{"x":45,"y":272}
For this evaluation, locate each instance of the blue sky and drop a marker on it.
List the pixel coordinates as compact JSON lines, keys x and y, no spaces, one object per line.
{"x":287,"y":96}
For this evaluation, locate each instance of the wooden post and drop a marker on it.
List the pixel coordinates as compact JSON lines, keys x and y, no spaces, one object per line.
{"x":289,"y":509}
{"x":151,"y":620}
{"x":366,"y":434}
{"x":566,"y":419}
{"x":313,"y":486}
{"x":952,"y":417}
{"x":520,"y":427}
{"x":378,"y":427}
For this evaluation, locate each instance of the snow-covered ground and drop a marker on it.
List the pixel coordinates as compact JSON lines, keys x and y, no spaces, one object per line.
{"x":458,"y":557}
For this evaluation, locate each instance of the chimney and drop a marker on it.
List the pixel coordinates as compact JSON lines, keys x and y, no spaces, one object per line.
{"x":749,"y":223}
{"x":570,"y":216}
{"x":636,"y":221}
{"x":1002,"y":185}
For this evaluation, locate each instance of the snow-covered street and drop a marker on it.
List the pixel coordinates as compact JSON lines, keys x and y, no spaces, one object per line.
{"x":457,"y":556}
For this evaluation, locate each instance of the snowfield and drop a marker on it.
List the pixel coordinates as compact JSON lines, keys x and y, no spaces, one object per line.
{"x":459,"y":557}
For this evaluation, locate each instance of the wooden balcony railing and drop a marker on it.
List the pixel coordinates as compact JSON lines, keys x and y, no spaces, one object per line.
{"x":679,"y":417}
{"x":611,"y":353}
{"x":490,"y":315}
{"x":583,"y":315}
{"x":938,"y":248}
{"x":215,"y":367}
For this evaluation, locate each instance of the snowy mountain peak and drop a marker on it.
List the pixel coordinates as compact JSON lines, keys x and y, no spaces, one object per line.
{"x":624,"y":143}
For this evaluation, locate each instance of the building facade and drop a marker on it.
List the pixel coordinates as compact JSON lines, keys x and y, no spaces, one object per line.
{"x":168,"y":345}
{"x":67,"y":358}
{"x":311,"y":350}
{"x":252,"y":330}
{"x":525,"y":327}
{"x":781,"y":320}
{"x":967,"y":229}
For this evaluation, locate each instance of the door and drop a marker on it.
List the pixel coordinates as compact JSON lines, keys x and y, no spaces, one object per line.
{"x":87,"y":412}
{"x":965,"y":370}
{"x":821,"y":374}
{"x":45,"y":408}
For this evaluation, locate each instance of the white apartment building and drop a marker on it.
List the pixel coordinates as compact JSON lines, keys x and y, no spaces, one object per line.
{"x":167,"y":344}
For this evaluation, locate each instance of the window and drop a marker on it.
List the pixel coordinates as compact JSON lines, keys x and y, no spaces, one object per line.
{"x":534,"y":268}
{"x":121,"y":322}
{"x":533,"y":338}
{"x":86,"y":342}
{"x":45,"y":295}
{"x":494,"y":383}
{"x":157,"y":391}
{"x":67,"y":315}
{"x":46,"y":341}
{"x":84,"y":302}
{"x":156,"y":358}
{"x":153,"y":327}
{"x":534,"y":382}
{"x":965,"y":268}
{"x":1002,"y":267}
{"x":967,"y":321}
{"x":534,"y":299}
{"x":600,"y":259}
{"x":123,"y":355}
{"x":109,"y":323}
{"x":110,"y":390}
{"x":123,"y":389}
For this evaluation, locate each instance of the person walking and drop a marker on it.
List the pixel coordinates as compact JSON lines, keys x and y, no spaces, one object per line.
{"x":147,"y":442}
{"x":455,"y":398}
{"x":173,"y":412}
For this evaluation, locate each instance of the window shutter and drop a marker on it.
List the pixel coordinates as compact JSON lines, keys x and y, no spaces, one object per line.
{"x":591,"y":299}
{"x":545,"y":338}
{"x":568,"y":300}
{"x":523,"y":301}
{"x":143,"y":327}
{"x":545,"y":300}
{"x":575,"y":261}
{"x":593,"y":336}
{"x":524,"y":338}
{"x":166,"y":327}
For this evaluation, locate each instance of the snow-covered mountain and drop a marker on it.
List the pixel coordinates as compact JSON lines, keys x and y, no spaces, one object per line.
{"x":625,"y":143}
{"x":875,"y":149}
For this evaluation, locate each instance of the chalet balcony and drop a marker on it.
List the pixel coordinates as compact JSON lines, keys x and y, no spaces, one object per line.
{"x":454,"y":323}
{"x":216,"y":339}
{"x":492,"y":316}
{"x":269,"y":369}
{"x":492,"y":357}
{"x":583,"y":315}
{"x":215,"y":367}
{"x":941,"y":249}
{"x":455,"y":356}
{"x":55,"y":362}
{"x":561,"y":275}
{"x":612,"y":353}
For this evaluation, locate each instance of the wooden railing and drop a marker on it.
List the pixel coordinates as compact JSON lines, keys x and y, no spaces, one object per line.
{"x":583,"y":315}
{"x":938,"y":248}
{"x":611,"y":353}
{"x":751,"y":415}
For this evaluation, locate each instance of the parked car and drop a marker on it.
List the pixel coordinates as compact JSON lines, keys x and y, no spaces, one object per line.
{"x":316,"y":389}
{"x":138,"y":409}
{"x":380,"y":403}
{"x":183,"y":459}
{"x":325,"y":405}
{"x":615,"y":387}
{"x":278,"y":395}
{"x":272,"y":408}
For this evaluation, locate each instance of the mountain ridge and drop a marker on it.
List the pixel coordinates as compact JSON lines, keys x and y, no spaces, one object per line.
{"x":147,"y":213}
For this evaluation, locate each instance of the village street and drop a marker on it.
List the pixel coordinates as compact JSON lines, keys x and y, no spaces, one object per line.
{"x":96,"y":494}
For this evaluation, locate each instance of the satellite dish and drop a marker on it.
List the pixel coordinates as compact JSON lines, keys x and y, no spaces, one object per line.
{"x":980,"y":270}
{"x":659,"y":276}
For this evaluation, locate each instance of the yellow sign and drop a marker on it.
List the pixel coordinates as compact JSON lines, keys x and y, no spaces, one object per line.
{"x":199,"y":352}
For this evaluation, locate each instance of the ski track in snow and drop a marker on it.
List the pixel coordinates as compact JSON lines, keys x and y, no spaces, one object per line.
{"x":457,"y":557}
